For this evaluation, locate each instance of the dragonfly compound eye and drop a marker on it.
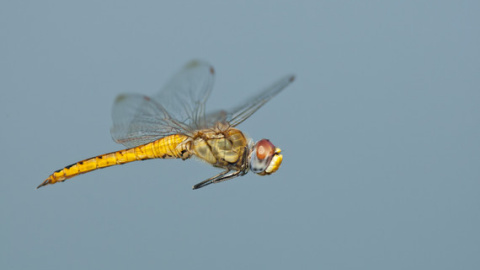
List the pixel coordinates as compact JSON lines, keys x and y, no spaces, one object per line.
{"x":264,"y":149}
{"x":265,"y":158}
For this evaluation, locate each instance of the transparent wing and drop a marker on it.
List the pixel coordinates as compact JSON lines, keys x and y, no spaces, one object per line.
{"x":238,"y":114}
{"x":185,"y":94}
{"x":179,"y":108}
{"x":138,"y":119}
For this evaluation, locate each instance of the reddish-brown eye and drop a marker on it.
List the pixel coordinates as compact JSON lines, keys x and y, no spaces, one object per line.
{"x":265,"y":149}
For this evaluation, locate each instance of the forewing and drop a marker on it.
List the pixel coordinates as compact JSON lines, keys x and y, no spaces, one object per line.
{"x":251,"y":105}
{"x":138,"y":119}
{"x":184,"y":96}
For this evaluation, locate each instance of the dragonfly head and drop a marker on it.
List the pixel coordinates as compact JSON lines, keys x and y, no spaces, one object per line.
{"x":265,"y":158}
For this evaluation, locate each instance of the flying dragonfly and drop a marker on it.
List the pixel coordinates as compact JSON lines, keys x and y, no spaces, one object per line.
{"x":173,"y":124}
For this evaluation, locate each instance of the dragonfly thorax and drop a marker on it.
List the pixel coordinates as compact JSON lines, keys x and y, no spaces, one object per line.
{"x":222,"y":146}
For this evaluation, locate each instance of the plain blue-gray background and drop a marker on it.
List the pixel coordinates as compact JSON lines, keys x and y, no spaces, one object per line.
{"x":380,"y":134}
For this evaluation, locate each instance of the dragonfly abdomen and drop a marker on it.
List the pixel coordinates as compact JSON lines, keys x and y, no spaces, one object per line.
{"x":167,"y":147}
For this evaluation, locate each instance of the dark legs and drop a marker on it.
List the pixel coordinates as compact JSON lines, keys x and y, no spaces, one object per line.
{"x":223,"y":176}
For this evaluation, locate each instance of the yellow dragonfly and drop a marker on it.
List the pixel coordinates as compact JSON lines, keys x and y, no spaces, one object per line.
{"x":173,"y":124}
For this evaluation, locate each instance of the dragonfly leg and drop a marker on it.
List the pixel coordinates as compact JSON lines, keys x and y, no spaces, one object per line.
{"x":227,"y":177}
{"x":223,"y":176}
{"x":209,"y":180}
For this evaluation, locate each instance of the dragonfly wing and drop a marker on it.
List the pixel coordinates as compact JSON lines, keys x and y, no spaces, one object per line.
{"x":184,"y":96}
{"x":179,"y":108}
{"x":138,"y":119}
{"x":251,"y":105}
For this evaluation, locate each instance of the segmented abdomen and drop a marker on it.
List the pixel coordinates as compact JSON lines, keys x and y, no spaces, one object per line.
{"x":167,"y":147}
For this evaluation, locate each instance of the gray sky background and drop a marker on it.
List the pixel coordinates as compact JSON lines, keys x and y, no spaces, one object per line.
{"x":380,"y":134}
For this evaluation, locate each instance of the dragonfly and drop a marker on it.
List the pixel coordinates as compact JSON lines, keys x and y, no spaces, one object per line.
{"x":173,"y":124}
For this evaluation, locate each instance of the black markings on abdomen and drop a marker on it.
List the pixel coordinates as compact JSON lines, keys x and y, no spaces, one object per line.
{"x":71,"y":165}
